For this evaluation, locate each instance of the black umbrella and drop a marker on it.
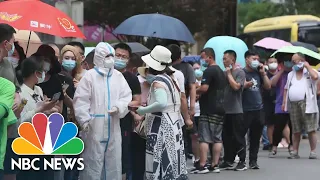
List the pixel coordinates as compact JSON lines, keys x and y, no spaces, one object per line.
{"x":306,"y":45}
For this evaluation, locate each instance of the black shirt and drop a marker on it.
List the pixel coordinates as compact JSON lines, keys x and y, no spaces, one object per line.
{"x":65,"y":78}
{"x":188,"y":73}
{"x":212,"y":101}
{"x":126,"y":123}
{"x":52,"y":86}
{"x":269,"y":97}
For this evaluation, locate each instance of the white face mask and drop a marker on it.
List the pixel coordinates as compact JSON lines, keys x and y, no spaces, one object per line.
{"x":14,"y":61}
{"x":46,"y":66}
{"x":41,"y":79}
{"x":108,"y":62}
{"x":273,"y":66}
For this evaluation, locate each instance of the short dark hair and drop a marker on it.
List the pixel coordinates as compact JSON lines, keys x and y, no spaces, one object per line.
{"x":31,"y":65}
{"x":6,"y":32}
{"x":89,"y":57}
{"x":175,"y":52}
{"x":123,"y":46}
{"x":301,"y":55}
{"x":232,"y":53}
{"x":78,"y":44}
{"x":209,"y":52}
{"x":167,"y":71}
{"x":251,"y":53}
{"x":135,"y":61}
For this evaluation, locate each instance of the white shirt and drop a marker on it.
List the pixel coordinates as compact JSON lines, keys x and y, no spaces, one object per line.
{"x":296,"y":93}
{"x":33,"y":97}
{"x":180,"y":78}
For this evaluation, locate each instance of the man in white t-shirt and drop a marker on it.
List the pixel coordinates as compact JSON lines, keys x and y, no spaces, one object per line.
{"x":300,"y":94}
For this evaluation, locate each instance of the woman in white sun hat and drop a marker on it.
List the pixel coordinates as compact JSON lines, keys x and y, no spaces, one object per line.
{"x":165,"y":158}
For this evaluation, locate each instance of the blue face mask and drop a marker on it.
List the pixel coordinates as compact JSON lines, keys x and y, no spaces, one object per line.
{"x":120,"y":64}
{"x":10,"y":52}
{"x":297,"y":67}
{"x":254,"y":64}
{"x":68,"y":65}
{"x":203,"y":63}
{"x":288,"y":64}
{"x":150,"y":78}
{"x":198,"y":73}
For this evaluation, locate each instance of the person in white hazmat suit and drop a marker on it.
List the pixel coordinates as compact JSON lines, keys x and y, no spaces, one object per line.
{"x":100,"y":100}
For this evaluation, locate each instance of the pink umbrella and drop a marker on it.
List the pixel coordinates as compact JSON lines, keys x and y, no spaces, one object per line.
{"x":272,"y":43}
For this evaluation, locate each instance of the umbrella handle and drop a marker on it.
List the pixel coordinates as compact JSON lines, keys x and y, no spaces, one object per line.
{"x":28,"y":43}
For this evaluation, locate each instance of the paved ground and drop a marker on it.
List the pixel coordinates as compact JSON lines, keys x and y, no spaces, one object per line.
{"x":279,"y":168}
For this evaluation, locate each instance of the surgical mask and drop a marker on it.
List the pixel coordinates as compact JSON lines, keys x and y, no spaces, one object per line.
{"x":254,"y":64}
{"x":10,"y":52}
{"x":41,"y":79}
{"x":108,"y":63}
{"x":14,"y":61}
{"x":273,"y":66}
{"x":120,"y":64}
{"x":288,"y":64}
{"x":203,"y":63}
{"x":68,"y":65}
{"x":198,"y":73}
{"x":46,"y":66}
{"x":150,"y":78}
{"x":298,"y":66}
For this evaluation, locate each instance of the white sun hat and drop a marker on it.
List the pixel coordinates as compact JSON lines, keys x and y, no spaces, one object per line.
{"x":158,"y":59}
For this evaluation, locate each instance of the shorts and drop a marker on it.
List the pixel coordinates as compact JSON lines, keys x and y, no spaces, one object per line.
{"x":270,"y":118}
{"x":301,"y":120}
{"x":125,"y":160}
{"x":7,"y":160}
{"x":210,"y":128}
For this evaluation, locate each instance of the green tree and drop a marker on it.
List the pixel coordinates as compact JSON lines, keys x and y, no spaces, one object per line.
{"x":249,"y":12}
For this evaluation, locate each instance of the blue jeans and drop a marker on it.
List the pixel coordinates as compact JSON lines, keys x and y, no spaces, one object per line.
{"x":265,"y":140}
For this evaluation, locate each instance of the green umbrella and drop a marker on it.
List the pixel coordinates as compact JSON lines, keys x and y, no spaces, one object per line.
{"x":312,"y":57}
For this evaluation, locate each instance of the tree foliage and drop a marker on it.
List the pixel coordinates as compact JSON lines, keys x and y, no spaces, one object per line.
{"x":198,"y":15}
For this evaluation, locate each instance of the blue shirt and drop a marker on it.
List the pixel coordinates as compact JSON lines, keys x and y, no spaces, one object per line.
{"x":251,"y":97}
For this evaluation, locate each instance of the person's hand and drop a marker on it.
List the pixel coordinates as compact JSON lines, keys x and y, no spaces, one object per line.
{"x":47,"y":104}
{"x":16,"y":102}
{"x":113,"y":111}
{"x":189,"y":123}
{"x":248,"y":84}
{"x":137,"y":118}
{"x":192,"y":111}
{"x":262,"y":69}
{"x":283,"y":107}
{"x":228,"y":70}
{"x":306,"y":64}
{"x":75,"y":82}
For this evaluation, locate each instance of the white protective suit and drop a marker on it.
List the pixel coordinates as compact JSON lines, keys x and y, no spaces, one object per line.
{"x":101,"y":90}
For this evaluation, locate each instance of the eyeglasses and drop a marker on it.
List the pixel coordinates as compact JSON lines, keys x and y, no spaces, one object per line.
{"x":122,"y":57}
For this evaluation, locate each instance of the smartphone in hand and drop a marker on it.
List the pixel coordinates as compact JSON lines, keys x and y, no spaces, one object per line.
{"x":65,"y":86}
{"x":56,"y":96}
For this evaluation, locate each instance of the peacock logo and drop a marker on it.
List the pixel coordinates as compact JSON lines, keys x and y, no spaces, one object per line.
{"x":48,"y":135}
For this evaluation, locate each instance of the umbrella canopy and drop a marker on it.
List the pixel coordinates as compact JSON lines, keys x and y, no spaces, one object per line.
{"x":306,"y":45}
{"x":155,"y":25}
{"x":222,"y":43}
{"x":37,"y":16}
{"x":272,"y":43}
{"x":135,"y":47}
{"x":191,"y":58}
{"x":312,"y":57}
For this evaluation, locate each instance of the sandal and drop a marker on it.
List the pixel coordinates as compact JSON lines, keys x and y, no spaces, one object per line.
{"x":272,"y":154}
{"x":289,"y":149}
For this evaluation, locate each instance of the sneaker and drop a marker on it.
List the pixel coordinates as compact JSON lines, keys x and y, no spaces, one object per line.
{"x":272,"y":154}
{"x":294,"y":155}
{"x":241,"y":166}
{"x":313,"y":155}
{"x":254,"y":165}
{"x":226,"y":166}
{"x":200,"y":170}
{"x":214,"y":169}
{"x":196,"y":164}
{"x":267,"y":147}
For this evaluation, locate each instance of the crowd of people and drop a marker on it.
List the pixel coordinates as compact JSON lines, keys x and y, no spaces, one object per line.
{"x":139,"y":116}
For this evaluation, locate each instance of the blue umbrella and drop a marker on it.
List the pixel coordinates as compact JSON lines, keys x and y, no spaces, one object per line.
{"x":191,"y":58}
{"x":155,"y":25}
{"x":222,"y":43}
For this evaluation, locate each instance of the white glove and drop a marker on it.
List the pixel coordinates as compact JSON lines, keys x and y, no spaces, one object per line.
{"x":113,"y":111}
